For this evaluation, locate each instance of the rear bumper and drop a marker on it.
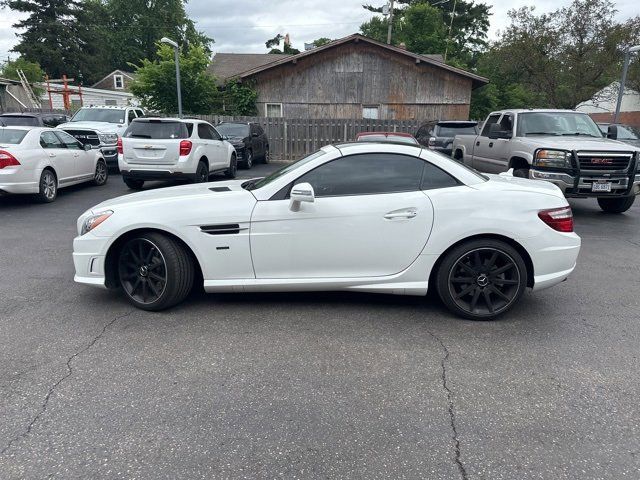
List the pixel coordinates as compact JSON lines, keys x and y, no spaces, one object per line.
{"x":17,"y":180}
{"x":554,"y":256}
{"x":155,"y":175}
{"x":567,"y":183}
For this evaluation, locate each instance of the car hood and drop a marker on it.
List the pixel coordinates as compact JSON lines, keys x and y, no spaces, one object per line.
{"x":577,"y":143}
{"x":506,"y":182}
{"x":102,"y":127}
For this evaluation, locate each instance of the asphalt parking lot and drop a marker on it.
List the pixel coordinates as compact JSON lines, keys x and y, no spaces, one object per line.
{"x":313,"y":385}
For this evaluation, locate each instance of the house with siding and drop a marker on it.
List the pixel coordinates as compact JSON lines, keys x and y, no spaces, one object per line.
{"x":118,"y":81}
{"x":353,"y":77}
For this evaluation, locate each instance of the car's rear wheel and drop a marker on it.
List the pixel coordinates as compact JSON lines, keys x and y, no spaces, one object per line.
{"x":202,"y":173}
{"x":481,"y":279}
{"x":48,"y":187}
{"x":155,"y":271}
{"x":616,"y":205}
{"x":232,"y":171}
{"x":101,"y":174}
{"x":248,"y":159}
{"x":134,"y":184}
{"x":266,"y":158}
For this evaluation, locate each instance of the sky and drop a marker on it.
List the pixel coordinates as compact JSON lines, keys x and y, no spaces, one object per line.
{"x":240,"y":26}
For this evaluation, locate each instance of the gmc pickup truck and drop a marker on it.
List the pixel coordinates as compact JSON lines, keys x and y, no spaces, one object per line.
{"x":560,"y":146}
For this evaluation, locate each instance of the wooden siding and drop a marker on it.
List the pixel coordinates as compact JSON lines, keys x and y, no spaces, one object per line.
{"x":336,"y":83}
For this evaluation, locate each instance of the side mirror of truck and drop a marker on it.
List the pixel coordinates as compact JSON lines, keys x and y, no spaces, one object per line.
{"x":495,"y":132}
{"x":612,"y":132}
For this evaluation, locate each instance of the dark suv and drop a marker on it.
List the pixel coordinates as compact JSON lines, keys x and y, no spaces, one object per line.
{"x":249,"y":140}
{"x":439,"y":135}
{"x":32,"y":119}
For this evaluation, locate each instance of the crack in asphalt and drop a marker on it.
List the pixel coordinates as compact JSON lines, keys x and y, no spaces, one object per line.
{"x":52,"y":389}
{"x":452,"y":414}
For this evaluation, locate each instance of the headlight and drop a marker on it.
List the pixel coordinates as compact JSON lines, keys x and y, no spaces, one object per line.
{"x":94,"y":220}
{"x":552,"y":159}
{"x":108,"y":138}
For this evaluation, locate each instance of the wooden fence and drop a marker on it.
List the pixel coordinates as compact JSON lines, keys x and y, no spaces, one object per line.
{"x":293,"y":138}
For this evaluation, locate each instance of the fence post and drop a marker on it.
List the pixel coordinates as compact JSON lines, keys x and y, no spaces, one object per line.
{"x":345,"y":131}
{"x":285,"y":141}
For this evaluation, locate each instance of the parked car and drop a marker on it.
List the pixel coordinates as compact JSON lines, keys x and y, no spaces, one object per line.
{"x":173,"y":148}
{"x":386,"y":137}
{"x":100,"y":126}
{"x":439,"y":135}
{"x":365,"y":217}
{"x":559,"y":146}
{"x":249,"y":140}
{"x":35,"y":119}
{"x":623,"y":133}
{"x":40,"y":160}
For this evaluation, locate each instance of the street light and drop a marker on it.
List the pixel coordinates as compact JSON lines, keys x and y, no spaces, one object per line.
{"x":625,"y":69}
{"x":176,"y":51}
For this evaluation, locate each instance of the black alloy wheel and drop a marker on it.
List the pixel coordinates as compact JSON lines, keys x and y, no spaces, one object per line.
{"x":101,"y":175}
{"x":202,"y":173}
{"x":248,"y":159}
{"x":482,"y":279}
{"x":155,"y":271}
{"x":232,"y":171}
{"x":266,"y":157}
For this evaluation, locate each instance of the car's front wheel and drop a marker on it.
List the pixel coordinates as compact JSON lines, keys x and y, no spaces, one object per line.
{"x":481,"y":279}
{"x":248,"y":159}
{"x":101,"y":174}
{"x":266,"y":158}
{"x":232,"y":171}
{"x":155,"y":271}
{"x":616,"y":205}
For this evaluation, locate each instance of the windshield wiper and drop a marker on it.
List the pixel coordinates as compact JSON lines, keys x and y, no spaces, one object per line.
{"x":577,"y":134}
{"x":542,"y":133}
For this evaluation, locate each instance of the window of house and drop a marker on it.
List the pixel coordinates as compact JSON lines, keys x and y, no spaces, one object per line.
{"x":371,"y":111}
{"x":273,"y":110}
{"x":118,"y":82}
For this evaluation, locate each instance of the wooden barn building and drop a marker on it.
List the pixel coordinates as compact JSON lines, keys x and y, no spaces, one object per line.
{"x":353,"y":77}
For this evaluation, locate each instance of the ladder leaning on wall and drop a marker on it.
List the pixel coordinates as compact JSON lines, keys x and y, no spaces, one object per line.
{"x":35,"y":102}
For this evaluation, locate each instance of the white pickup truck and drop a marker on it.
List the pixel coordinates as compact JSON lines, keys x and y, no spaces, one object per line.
{"x":560,"y":146}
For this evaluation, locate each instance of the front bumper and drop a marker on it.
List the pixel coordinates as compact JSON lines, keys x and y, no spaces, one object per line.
{"x":581,"y":186}
{"x":89,"y":253}
{"x":110,"y":154}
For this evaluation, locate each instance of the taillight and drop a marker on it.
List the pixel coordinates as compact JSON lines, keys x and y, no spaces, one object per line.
{"x":560,"y":219}
{"x":432,"y":142}
{"x":185,"y":147}
{"x":120,"y":149}
{"x":7,"y":160}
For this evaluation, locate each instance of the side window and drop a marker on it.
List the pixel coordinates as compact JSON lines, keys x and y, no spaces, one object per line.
{"x":204,"y":132}
{"x":506,"y":123}
{"x":214,"y":133}
{"x":68,"y":141}
{"x":130,"y":116}
{"x":189,"y":128}
{"x":366,"y":174}
{"x":50,"y":140}
{"x":490,"y":121}
{"x":434,"y":177}
{"x":139,"y":113}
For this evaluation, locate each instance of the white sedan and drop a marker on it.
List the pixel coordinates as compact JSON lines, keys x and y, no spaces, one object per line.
{"x":366,"y":217}
{"x":40,"y":160}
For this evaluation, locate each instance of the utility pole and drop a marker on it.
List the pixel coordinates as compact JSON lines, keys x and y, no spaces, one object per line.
{"x":390,"y":24}
{"x":453,"y":13}
{"x":176,"y":54}
{"x":623,"y":80}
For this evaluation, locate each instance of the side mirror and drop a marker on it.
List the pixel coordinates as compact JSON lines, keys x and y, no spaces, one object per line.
{"x":87,"y":147}
{"x":225,"y":137}
{"x":495,"y":132}
{"x":302,"y":192}
{"x":612,"y":132}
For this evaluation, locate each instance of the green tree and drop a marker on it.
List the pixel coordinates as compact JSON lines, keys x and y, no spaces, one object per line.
{"x":155,"y":82}
{"x":238,"y":99}
{"x":321,"y":41}
{"x":275,"y":42}
{"x":423,"y":29}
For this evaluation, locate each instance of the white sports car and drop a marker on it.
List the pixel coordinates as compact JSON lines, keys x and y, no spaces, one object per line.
{"x":367,"y":217}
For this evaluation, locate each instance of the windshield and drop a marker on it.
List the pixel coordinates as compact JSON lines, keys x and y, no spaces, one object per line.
{"x":10,"y":136}
{"x":253,"y":184}
{"x":18,"y":120}
{"x":99,"y":115}
{"x":387,"y":138}
{"x":557,"y":123}
{"x":156,"y":129}
{"x":450,"y":131}
{"x":628,"y":133}
{"x":233,"y":129}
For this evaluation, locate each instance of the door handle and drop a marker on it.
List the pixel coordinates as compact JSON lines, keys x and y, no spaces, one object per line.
{"x":477,"y":143}
{"x":401,"y":214}
{"x":490,"y":144}
{"x":52,"y":155}
{"x":76,"y":154}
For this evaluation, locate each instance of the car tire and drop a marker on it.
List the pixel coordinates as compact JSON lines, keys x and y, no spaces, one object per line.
{"x":248,"y":160}
{"x":232,"y":171}
{"x":266,"y":157}
{"x":101,"y":174}
{"x":155,"y":271}
{"x":521,"y":173}
{"x":481,"y":279}
{"x":133,"y":183}
{"x":202,"y":173}
{"x":616,"y":205}
{"x":47,"y":187}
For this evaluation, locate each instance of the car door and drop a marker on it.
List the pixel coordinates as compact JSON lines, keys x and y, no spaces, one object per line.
{"x":84,"y":161}
{"x":500,"y":148}
{"x":369,"y":218}
{"x":482,"y":148}
{"x":59,"y":156}
{"x":256,"y":141}
{"x":219,"y":148}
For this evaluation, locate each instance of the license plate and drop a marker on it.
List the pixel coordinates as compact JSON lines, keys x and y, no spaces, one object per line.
{"x":601,"y":187}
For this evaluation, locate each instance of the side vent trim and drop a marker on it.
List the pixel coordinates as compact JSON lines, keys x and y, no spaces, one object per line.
{"x":228,"y":229}
{"x":220,"y":189}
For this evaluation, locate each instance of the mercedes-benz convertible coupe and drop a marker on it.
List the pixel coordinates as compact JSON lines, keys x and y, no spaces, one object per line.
{"x":365,"y":217}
